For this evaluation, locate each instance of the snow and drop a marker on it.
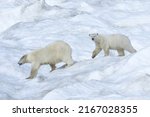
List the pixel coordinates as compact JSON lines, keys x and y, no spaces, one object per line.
{"x":27,"y":25}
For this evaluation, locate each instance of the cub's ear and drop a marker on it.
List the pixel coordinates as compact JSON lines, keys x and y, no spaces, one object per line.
{"x":96,"y":33}
{"x":89,"y":34}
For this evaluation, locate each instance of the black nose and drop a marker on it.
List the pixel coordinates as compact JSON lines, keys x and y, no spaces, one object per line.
{"x":92,"y":38}
{"x":20,"y":63}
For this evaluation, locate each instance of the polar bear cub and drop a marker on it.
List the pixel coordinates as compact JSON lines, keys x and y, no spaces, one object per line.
{"x":52,"y":54}
{"x":117,"y":42}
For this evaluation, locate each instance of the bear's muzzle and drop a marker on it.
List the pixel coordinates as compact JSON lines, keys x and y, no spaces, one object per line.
{"x":20,"y":63}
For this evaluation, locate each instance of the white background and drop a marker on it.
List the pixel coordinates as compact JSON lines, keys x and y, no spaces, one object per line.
{"x":142,"y":107}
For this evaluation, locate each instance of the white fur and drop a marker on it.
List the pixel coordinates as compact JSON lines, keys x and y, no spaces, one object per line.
{"x":52,"y":54}
{"x":117,"y":42}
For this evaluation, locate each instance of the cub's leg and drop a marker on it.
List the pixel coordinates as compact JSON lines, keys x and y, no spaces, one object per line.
{"x":96,"y":52}
{"x":106,"y":52}
{"x":131,"y":49}
{"x":120,"y":52}
{"x":34,"y":71}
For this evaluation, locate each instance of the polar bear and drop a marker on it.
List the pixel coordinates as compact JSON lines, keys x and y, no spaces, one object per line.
{"x":52,"y":54}
{"x":117,"y":42}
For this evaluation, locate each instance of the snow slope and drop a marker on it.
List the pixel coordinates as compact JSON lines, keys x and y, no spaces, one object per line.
{"x":30,"y":24}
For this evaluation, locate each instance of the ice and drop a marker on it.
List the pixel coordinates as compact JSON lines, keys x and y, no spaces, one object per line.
{"x":27,"y":25}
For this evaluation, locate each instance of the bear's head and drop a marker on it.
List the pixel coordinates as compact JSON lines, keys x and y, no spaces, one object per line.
{"x":93,"y":36}
{"x":22,"y":60}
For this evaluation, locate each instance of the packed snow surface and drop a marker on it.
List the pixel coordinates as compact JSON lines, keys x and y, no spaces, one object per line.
{"x":26,"y":25}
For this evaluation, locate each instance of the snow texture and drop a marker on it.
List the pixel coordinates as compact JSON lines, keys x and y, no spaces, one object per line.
{"x":26,"y":25}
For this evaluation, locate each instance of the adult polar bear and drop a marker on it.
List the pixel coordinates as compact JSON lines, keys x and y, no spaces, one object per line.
{"x":117,"y":42}
{"x":52,"y":54}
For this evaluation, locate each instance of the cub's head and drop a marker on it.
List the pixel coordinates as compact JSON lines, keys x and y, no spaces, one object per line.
{"x":23,"y":60}
{"x":93,"y":36}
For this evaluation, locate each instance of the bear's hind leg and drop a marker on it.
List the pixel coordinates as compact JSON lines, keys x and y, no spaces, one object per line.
{"x":53,"y":67}
{"x":68,"y":61}
{"x":120,"y":52}
{"x":131,"y":49}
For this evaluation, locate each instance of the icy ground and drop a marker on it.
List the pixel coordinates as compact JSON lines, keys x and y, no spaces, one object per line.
{"x":26,"y":25}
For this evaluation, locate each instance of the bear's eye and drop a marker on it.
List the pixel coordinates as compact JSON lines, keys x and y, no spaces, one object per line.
{"x":93,"y":39}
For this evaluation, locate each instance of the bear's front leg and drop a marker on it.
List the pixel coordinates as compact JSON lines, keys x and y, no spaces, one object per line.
{"x":34,"y":71}
{"x":106,"y":52}
{"x":95,"y":52}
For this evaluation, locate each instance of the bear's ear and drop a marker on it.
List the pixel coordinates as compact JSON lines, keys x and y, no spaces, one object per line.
{"x":96,"y":33}
{"x":89,"y":34}
{"x":24,"y":57}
